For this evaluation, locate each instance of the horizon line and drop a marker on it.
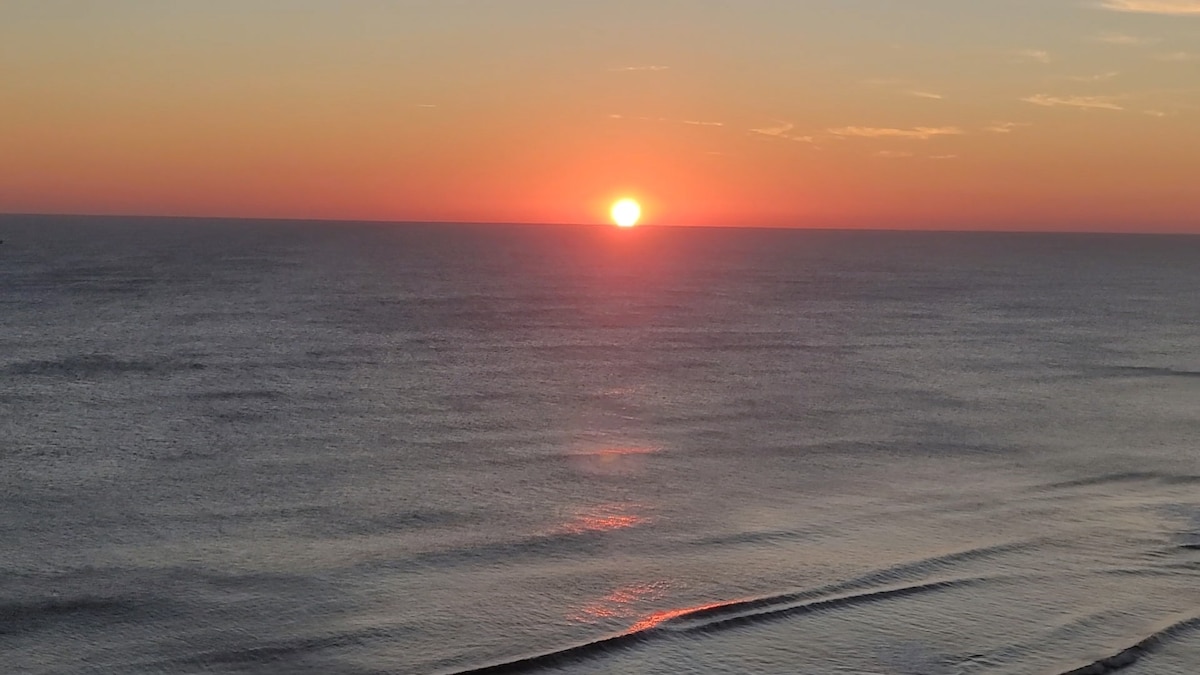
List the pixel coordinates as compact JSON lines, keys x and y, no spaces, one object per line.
{"x":991,"y":229}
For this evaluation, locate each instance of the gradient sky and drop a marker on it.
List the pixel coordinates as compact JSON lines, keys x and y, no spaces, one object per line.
{"x":988,"y":114}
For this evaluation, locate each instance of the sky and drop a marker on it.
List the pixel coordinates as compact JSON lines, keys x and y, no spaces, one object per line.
{"x":924,"y":114}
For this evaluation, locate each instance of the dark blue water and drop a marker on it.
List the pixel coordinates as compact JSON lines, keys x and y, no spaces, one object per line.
{"x":269,"y":447}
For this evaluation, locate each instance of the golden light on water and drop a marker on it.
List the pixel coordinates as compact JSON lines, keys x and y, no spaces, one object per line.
{"x":626,"y":213}
{"x":603,"y":518}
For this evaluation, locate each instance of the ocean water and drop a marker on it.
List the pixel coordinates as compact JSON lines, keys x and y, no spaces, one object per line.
{"x":272,"y":447}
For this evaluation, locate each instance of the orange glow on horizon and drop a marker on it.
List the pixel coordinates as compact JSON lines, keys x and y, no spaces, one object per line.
{"x":439,"y":117}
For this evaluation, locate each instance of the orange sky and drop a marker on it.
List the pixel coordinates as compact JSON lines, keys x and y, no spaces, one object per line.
{"x":993,"y":114}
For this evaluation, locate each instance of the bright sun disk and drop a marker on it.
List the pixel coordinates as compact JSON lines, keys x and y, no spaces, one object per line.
{"x":626,"y":213}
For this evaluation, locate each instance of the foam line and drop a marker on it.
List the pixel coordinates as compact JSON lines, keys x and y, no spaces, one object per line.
{"x":893,"y":574}
{"x":548,"y":659}
{"x":1130,"y":655}
{"x":828,"y":604}
{"x":694,"y":622}
{"x":728,"y":614}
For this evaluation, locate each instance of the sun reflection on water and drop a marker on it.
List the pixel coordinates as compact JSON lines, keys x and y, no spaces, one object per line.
{"x":621,"y":603}
{"x":629,"y":601}
{"x":612,"y":460}
{"x":602,"y":519}
{"x":659,"y":618}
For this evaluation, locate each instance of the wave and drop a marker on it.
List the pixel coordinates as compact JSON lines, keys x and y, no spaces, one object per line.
{"x":721,"y":615}
{"x":929,"y":565}
{"x":693,"y":620}
{"x":283,"y":652}
{"x":907,"y":572}
{"x":1124,"y":477}
{"x":8,"y":398}
{"x":341,"y":523}
{"x":894,"y":582}
{"x":237,"y":395}
{"x":699,"y":620}
{"x":758,"y":537}
{"x":574,"y":541}
{"x":18,"y":617}
{"x":561,"y":656}
{"x":1152,"y":371}
{"x":1132,"y":654}
{"x":837,"y":602}
{"x":93,"y":365}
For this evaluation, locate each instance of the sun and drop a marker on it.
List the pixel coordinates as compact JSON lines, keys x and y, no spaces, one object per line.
{"x":626,"y":213}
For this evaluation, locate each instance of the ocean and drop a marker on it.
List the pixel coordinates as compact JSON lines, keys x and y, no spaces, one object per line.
{"x":353,"y":448}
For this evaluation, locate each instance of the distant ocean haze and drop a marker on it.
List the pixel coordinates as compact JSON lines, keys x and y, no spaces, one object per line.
{"x":236,"y":446}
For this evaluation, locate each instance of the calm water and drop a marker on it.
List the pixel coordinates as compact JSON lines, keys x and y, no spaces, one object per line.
{"x":246,"y":447}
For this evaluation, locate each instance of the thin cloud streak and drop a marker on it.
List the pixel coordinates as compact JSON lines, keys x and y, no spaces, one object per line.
{"x":899,"y":154}
{"x":1166,"y":7}
{"x":918,"y":133}
{"x":666,"y":120}
{"x":926,"y":94}
{"x":1094,"y":78}
{"x":782,"y":130}
{"x":1084,"y":102}
{"x":1122,"y":40}
{"x":1038,"y":55}
{"x":1177,"y":57}
{"x":1005,"y":127}
{"x":640,"y":69}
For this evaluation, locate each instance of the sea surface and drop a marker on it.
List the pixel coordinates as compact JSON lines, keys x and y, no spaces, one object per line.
{"x":299,"y":448}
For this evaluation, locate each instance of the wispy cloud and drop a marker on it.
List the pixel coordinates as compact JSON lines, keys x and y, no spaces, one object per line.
{"x":639,"y":69}
{"x":1177,"y":56}
{"x":1100,"y":77}
{"x":917,"y":133}
{"x":1155,"y":113}
{"x":1038,"y":55}
{"x":1085,"y":102}
{"x":782,"y":130}
{"x":1123,"y":40}
{"x":900,"y":154}
{"x":667,"y":120}
{"x":910,"y":87}
{"x":426,"y":105}
{"x":1168,"y":7}
{"x":1005,"y":127}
